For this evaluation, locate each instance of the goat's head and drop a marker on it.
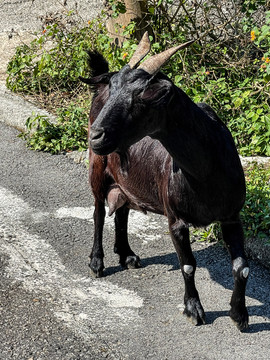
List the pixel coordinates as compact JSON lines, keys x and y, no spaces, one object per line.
{"x":136,"y":95}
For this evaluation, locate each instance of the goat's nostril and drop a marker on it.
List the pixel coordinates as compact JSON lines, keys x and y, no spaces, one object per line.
{"x":96,"y":134}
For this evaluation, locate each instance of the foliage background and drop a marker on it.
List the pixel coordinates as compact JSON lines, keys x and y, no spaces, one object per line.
{"x":228,"y":67}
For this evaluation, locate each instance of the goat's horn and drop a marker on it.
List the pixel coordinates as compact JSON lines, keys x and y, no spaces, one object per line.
{"x":154,"y":63}
{"x":142,"y":50}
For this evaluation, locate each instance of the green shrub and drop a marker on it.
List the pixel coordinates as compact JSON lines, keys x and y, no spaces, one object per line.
{"x":53,"y":61}
{"x":68,"y":133}
{"x":56,"y":58}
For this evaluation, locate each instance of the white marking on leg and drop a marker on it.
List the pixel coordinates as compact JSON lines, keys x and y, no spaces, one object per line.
{"x":245,"y":272}
{"x":188,"y":269}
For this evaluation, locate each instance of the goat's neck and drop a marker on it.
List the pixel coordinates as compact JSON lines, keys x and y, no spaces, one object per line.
{"x":184,"y":135}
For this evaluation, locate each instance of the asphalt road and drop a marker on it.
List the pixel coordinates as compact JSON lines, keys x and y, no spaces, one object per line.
{"x":52,"y":309}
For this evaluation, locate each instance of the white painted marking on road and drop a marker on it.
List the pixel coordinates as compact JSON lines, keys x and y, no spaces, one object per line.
{"x":75,"y":212}
{"x":115,"y":298}
{"x":36,"y":264}
{"x":139,"y":223}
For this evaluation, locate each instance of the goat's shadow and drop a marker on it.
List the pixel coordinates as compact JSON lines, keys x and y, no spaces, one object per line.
{"x":216,"y":260}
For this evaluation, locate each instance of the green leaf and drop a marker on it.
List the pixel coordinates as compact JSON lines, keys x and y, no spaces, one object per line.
{"x":237,"y":102}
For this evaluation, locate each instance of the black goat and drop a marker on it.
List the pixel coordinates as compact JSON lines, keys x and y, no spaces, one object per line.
{"x":153,"y":149}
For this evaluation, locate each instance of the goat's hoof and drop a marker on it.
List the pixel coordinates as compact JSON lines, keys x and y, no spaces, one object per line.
{"x":132,"y":262}
{"x":98,"y":274}
{"x":96,"y":268}
{"x":240,"y":319}
{"x":194,"y":311}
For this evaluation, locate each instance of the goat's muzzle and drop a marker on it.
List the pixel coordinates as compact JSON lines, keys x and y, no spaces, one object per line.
{"x":99,"y":141}
{"x":96,"y":138}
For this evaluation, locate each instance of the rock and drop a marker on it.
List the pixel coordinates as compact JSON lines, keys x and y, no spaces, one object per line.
{"x":261,"y":160}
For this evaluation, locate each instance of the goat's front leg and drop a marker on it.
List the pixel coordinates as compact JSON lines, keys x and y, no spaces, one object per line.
{"x":97,"y":254}
{"x":180,"y":236}
{"x":234,"y":238}
{"x":127,"y":258}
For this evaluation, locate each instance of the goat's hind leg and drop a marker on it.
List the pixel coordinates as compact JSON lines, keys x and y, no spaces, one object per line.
{"x":180,"y":236}
{"x":96,"y":258}
{"x":127,"y":258}
{"x":234,"y":238}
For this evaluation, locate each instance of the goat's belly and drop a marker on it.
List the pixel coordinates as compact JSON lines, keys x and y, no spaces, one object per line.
{"x":143,"y":199}
{"x":145,"y":208}
{"x":202,"y":213}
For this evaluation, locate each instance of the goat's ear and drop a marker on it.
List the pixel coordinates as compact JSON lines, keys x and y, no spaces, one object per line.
{"x":100,"y":79}
{"x":97,"y":63}
{"x":157,"y":93}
